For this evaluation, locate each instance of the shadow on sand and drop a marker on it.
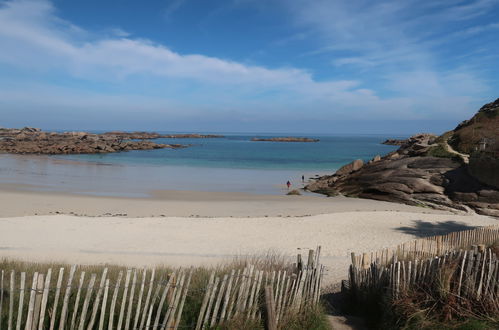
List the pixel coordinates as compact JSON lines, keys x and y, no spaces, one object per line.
{"x":424,"y":229}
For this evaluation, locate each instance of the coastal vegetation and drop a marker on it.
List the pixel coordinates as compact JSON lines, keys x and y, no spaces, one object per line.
{"x":294,"y":192}
{"x":448,"y":282}
{"x":252,"y":293}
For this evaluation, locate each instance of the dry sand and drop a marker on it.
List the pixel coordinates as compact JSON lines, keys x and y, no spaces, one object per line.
{"x":207,"y":240}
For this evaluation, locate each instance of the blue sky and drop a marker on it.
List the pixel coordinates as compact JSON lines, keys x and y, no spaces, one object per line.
{"x":247,"y":65}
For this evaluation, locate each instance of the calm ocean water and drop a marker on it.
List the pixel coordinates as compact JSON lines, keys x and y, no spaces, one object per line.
{"x":239,"y":152}
{"x":230,"y":164}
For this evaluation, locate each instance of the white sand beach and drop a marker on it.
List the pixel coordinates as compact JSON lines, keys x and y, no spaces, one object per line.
{"x":219,"y":231}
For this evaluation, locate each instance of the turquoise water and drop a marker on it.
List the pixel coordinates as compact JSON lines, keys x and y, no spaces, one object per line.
{"x":230,"y":164}
{"x":239,"y":152}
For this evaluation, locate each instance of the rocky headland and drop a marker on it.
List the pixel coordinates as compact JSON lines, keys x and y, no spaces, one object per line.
{"x":30,"y":140}
{"x":457,"y":171}
{"x":286,"y":139}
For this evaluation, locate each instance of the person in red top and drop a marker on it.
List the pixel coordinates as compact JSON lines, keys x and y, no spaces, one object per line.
{"x":288,"y":184}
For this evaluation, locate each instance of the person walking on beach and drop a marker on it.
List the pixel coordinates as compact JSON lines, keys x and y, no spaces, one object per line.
{"x":288,"y":184}
{"x":303,"y":178}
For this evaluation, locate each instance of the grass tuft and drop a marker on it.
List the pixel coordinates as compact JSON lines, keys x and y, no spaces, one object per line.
{"x":294,"y":192}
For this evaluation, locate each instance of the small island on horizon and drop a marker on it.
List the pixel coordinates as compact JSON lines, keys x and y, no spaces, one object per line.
{"x":286,"y":139}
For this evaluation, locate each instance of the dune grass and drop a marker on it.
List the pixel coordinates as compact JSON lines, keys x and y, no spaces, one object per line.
{"x":310,"y":318}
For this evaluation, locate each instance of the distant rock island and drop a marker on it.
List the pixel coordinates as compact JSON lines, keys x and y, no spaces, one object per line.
{"x":30,"y":140}
{"x":286,"y":139}
{"x":154,"y":135}
{"x":458,"y":170}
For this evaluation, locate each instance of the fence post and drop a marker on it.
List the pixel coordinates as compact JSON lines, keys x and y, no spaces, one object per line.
{"x":270,"y":308}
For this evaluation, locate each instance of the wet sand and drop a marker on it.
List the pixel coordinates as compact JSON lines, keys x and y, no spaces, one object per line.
{"x":21,"y":200}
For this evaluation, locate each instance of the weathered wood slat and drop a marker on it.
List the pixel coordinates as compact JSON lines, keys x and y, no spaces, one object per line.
{"x":104,"y":304}
{"x":143,"y":317}
{"x":218,"y":300}
{"x":257,"y":295}
{"x":130,"y":302}
{"x":155,"y":296}
{"x":162,"y":300}
{"x":204,"y":304}
{"x":227,"y":296}
{"x":270,"y":308}
{"x":38,"y":301}
{"x":62,"y":322}
{"x":170,"y":316}
{"x":139,"y":303}
{"x":46,"y":288}
{"x":31,"y":304}
{"x":1,"y":297}
{"x":182,"y":301}
{"x":55,"y":305}
{"x":113,"y":301}
{"x":11,"y":300}
{"x":77,"y":301}
{"x":96,"y":305}
{"x":83,"y":317}
{"x":21,"y":301}
{"x":123,"y":300}
{"x":210,"y":301}
{"x":233,"y":296}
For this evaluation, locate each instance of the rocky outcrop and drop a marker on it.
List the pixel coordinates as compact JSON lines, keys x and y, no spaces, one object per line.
{"x":34,"y":141}
{"x":425,"y":171}
{"x":349,"y":168}
{"x":154,"y":135}
{"x":394,"y":142}
{"x":192,"y":136}
{"x":286,"y":139}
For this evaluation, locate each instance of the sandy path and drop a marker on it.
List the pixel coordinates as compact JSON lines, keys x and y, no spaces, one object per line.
{"x":192,"y":241}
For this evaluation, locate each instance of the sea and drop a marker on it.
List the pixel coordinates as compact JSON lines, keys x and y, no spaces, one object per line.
{"x":232,"y":163}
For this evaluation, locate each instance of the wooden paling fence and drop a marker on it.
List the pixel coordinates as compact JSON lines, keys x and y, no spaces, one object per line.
{"x":466,"y":274}
{"x":133,"y":300}
{"x":428,"y":247}
{"x":150,"y":299}
{"x":240,"y":293}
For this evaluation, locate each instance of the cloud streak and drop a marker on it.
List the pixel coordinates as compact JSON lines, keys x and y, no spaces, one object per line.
{"x":37,"y":45}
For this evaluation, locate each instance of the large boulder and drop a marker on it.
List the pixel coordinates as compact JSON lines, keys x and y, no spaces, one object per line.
{"x":349,"y":168}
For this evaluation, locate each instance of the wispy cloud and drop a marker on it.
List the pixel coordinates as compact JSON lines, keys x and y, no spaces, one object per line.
{"x":35,"y":37}
{"x":172,"y":6}
{"x":112,"y":69}
{"x":401,"y":42}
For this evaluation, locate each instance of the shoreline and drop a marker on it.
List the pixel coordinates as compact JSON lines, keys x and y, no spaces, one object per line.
{"x":23,"y":200}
